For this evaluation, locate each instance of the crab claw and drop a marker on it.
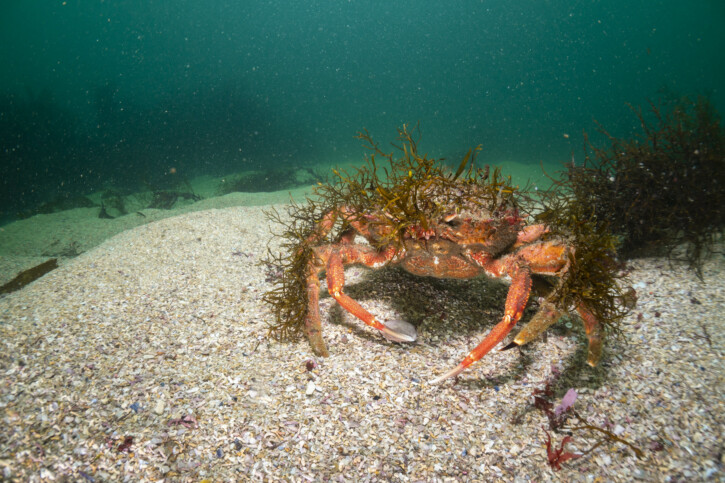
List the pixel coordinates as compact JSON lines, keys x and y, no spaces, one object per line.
{"x":515,"y":304}
{"x":394,"y":330}
{"x":398,"y":330}
{"x":452,"y":373}
{"x":510,"y":346}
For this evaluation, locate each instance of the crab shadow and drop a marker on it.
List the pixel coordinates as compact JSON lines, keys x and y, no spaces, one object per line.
{"x":470,"y":308}
{"x":434,"y":306}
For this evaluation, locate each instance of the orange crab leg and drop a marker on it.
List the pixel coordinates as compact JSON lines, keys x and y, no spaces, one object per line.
{"x":546,"y":316}
{"x":335,"y":282}
{"x":313,"y":326}
{"x":593,"y":331}
{"x":545,"y":258}
{"x":516,"y":300}
{"x":530,"y":233}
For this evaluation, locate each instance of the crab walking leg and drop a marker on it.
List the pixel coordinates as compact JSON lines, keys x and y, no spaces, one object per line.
{"x":335,"y":282}
{"x":313,"y":326}
{"x":530,"y":233}
{"x":594,"y":334}
{"x":516,"y":300}
{"x":542,"y":320}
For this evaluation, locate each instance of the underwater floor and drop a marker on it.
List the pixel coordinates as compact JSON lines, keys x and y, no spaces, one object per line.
{"x":145,"y":357}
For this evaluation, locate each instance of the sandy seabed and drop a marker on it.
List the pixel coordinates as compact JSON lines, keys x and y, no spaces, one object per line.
{"x":146,"y":359}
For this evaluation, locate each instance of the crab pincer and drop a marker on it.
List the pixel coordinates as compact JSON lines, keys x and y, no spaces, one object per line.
{"x":394,"y":330}
{"x":516,"y":300}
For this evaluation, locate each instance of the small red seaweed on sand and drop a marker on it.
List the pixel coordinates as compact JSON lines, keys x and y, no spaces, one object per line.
{"x":125,"y":447}
{"x":557,"y":456}
{"x":188,"y":421}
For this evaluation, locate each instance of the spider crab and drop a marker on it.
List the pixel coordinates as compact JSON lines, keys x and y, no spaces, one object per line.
{"x":431,"y":223}
{"x":459,"y":245}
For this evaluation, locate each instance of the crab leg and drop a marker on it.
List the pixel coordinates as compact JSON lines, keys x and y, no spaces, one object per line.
{"x":593,"y":331}
{"x":516,"y":300}
{"x":542,"y":320}
{"x":547,"y":315}
{"x":313,"y":326}
{"x":530,"y":233}
{"x":335,"y":282}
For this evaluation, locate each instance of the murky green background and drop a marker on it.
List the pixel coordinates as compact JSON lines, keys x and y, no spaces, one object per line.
{"x":98,"y":94}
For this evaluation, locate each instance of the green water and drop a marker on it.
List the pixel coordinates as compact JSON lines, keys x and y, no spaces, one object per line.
{"x":99,"y":94}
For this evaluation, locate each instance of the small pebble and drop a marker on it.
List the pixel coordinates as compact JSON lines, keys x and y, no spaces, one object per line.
{"x":159,"y":407}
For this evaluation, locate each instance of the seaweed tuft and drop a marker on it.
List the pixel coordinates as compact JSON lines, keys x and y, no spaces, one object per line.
{"x":288,"y":271}
{"x":596,"y":277}
{"x":664,"y":190}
